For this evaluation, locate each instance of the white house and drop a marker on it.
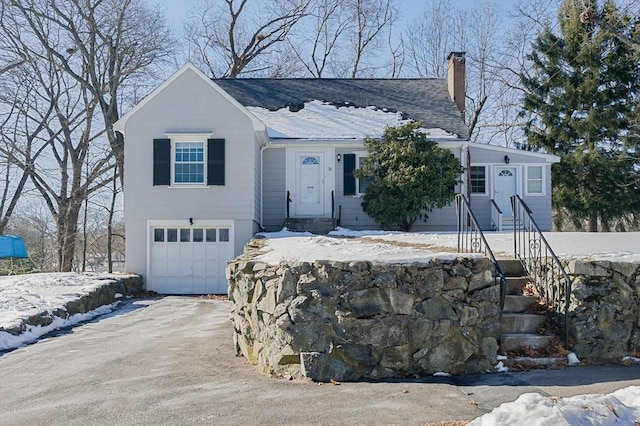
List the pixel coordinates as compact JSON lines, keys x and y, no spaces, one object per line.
{"x":208,"y":163}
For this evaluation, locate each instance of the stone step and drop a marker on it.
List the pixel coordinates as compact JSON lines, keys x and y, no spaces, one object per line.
{"x":318,"y":225}
{"x":515,"y":285}
{"x":530,"y":363}
{"x":511,"y":267}
{"x":515,"y":303}
{"x":521,"y":323}
{"x":512,"y":341}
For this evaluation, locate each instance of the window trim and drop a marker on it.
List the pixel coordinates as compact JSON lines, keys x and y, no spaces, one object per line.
{"x":174,"y":147}
{"x":486,"y":180}
{"x":542,"y":180}
{"x":189,"y":137}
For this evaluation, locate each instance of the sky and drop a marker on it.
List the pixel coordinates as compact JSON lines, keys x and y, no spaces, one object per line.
{"x":177,"y":9}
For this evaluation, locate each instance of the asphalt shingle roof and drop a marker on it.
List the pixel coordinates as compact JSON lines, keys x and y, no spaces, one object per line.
{"x":419,"y":99}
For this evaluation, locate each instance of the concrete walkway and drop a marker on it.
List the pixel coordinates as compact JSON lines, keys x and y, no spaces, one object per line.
{"x":171,"y":361}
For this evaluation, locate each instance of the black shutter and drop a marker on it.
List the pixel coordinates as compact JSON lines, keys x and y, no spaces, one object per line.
{"x":162,"y":162}
{"x":215,"y":162}
{"x":349,"y":179}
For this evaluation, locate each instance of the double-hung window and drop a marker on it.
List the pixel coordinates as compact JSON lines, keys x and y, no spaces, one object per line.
{"x":189,"y":166}
{"x":535,"y":180}
{"x":478,"y":179}
{"x":188,"y":160}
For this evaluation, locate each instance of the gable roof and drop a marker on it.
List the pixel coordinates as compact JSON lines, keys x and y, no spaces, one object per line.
{"x":186,"y":68}
{"x":425,"y":99}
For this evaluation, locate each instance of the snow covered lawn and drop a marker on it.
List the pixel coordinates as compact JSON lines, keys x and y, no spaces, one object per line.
{"x":23,"y":296}
{"x":384,"y":246}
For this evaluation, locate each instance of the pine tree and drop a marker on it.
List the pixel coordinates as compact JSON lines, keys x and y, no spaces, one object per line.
{"x":408,"y":177}
{"x":582,"y":97}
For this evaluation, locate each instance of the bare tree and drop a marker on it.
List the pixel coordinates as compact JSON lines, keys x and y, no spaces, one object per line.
{"x":22,"y":137}
{"x":82,"y":55}
{"x":346,"y":38}
{"x":227,"y":37}
{"x":102,"y":44}
{"x":34,"y":224}
{"x":371,"y":18}
{"x":318,"y":42}
{"x":431,"y":37}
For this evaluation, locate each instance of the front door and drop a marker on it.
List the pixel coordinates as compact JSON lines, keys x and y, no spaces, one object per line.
{"x":309,"y":192}
{"x":504,"y":187}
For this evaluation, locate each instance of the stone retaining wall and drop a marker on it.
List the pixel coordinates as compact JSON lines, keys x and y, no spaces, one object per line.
{"x":361,"y":320}
{"x":604,"y":314}
{"x":104,"y":295}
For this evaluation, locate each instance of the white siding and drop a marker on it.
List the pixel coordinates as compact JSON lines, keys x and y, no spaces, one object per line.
{"x":188,"y":105}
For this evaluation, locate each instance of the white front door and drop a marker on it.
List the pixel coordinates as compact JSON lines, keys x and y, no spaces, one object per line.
{"x":309,"y":184}
{"x":504,"y":187}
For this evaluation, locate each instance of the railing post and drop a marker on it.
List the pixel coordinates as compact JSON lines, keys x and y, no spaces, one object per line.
{"x":332,"y":204}
{"x":478,"y":242}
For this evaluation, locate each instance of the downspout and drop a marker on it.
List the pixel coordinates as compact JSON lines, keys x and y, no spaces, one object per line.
{"x":468,"y":172}
{"x":262,"y":183}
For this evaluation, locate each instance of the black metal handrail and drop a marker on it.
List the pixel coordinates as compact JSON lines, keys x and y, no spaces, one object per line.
{"x":333,"y":205}
{"x":496,"y":216}
{"x":471,"y":239}
{"x":541,"y":264}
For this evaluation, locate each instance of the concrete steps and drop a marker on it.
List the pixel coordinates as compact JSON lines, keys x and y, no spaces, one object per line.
{"x":319,"y":225}
{"x":523,"y":323}
{"x":517,"y":303}
{"x":519,"y":327}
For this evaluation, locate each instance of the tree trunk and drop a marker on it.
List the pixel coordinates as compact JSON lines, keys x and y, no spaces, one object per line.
{"x":593,"y":222}
{"x":112,"y":207}
{"x":67,"y":232}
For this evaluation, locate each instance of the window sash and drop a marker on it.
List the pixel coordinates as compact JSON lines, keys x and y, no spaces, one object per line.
{"x":535,"y":180}
{"x":189,"y":165}
{"x":478,"y":179}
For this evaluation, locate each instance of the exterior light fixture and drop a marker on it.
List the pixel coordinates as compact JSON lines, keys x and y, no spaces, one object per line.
{"x":338,"y":158}
{"x":190,"y":221}
{"x":506,"y":159}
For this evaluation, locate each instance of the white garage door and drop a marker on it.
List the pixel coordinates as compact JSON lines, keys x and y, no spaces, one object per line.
{"x":189,"y":259}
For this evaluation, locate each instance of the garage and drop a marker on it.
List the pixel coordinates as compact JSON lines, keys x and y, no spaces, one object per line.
{"x":189,"y":259}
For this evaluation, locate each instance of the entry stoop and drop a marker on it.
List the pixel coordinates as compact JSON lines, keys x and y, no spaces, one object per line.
{"x":519,"y":327}
{"x":321,"y":225}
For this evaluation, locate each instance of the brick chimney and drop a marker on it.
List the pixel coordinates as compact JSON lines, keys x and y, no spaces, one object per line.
{"x":456,"y":79}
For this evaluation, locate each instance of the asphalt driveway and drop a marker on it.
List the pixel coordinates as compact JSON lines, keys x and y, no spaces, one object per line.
{"x":170,"y":361}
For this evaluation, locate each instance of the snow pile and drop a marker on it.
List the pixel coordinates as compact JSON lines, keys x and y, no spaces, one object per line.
{"x":620,"y":407}
{"x":23,"y":296}
{"x":322,"y":120}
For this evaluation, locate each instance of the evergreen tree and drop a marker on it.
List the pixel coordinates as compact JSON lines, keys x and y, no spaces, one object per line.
{"x":582,"y":97}
{"x":408,"y":176}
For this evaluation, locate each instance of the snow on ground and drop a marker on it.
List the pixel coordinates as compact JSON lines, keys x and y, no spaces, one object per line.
{"x":621,"y":407}
{"x":421,"y":247}
{"x":22,"y":296}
